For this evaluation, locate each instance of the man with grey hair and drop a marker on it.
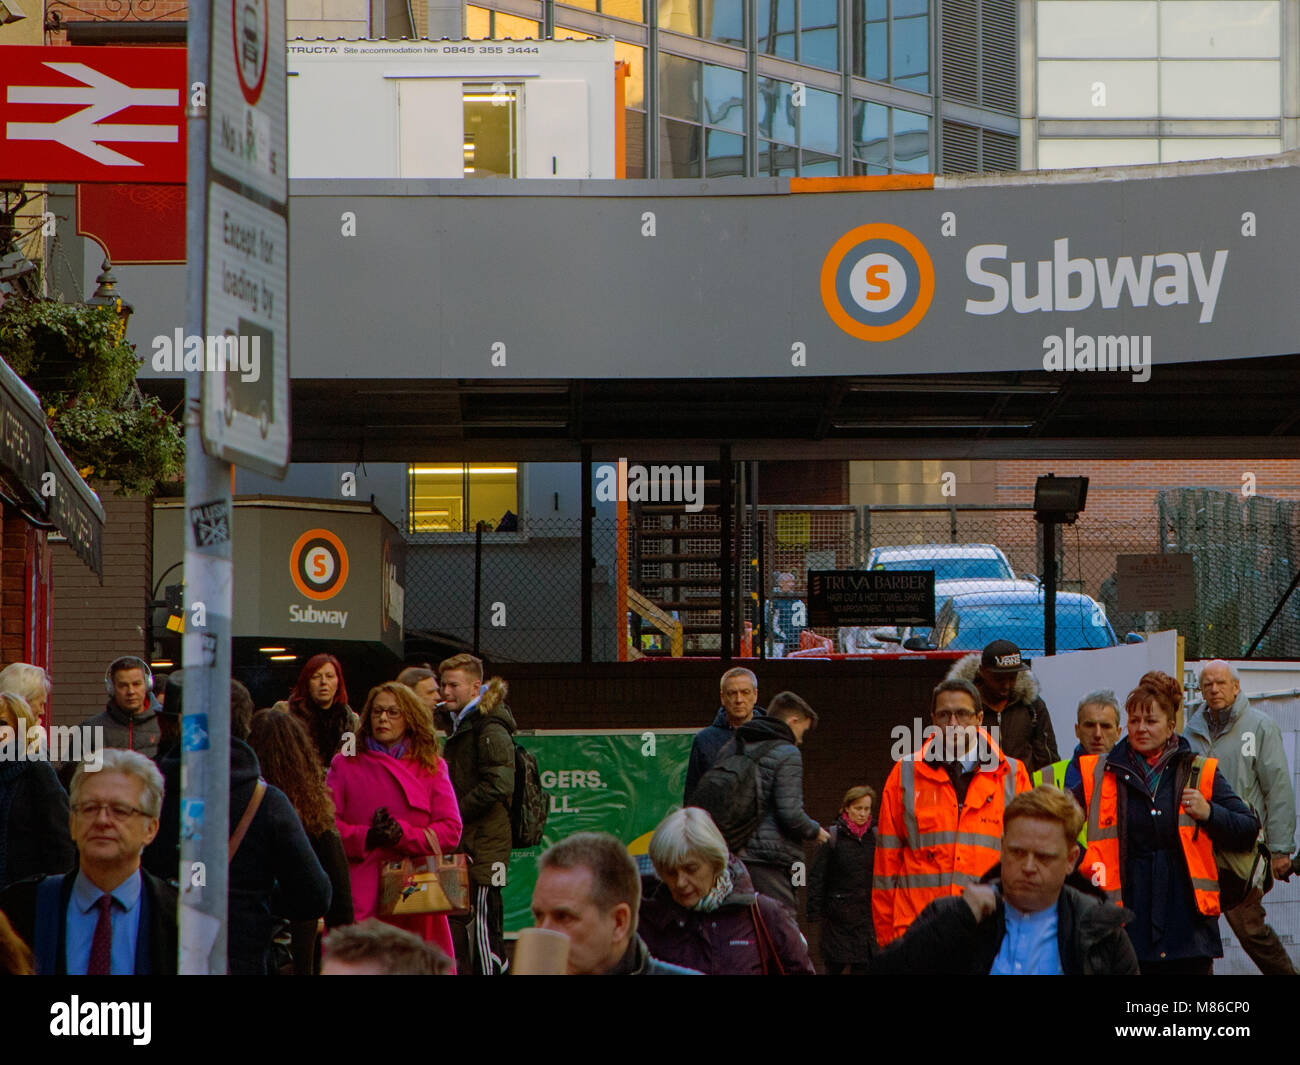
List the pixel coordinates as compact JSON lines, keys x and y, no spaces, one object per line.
{"x":1096,"y":727}
{"x":108,"y":917}
{"x":1252,"y":758}
{"x":739,"y":694}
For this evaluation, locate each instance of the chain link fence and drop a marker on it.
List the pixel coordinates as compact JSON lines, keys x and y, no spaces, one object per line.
{"x":1245,"y":555}
{"x":529,"y":589}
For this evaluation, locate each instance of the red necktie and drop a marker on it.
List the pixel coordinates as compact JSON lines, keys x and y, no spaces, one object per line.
{"x":101,"y":947}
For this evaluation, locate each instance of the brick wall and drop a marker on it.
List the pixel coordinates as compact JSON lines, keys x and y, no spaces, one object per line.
{"x":1120,"y":516}
{"x":94,"y":624}
{"x":13,"y":594}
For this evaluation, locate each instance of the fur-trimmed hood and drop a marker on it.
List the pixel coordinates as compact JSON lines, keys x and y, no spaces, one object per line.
{"x":1025,"y":691}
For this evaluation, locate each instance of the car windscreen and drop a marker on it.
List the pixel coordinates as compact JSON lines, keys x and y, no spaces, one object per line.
{"x":1078,"y":626}
{"x":971,"y":568}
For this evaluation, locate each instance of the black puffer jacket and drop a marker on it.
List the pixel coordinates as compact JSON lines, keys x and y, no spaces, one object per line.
{"x":839,"y":895}
{"x":1024,"y":725}
{"x":120,"y":729}
{"x":480,"y":757}
{"x":37,"y":838}
{"x":784,"y":826}
{"x":275,"y":859}
{"x":946,"y":940}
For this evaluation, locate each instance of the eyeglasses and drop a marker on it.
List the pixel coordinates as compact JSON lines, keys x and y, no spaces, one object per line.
{"x":385,"y":711}
{"x":117,"y":811}
{"x":944,"y":716}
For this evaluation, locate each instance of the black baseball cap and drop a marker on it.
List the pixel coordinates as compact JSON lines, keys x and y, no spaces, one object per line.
{"x":1002,"y":656}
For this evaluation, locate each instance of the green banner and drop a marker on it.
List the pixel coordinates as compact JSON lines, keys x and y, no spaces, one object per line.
{"x":623,"y":783}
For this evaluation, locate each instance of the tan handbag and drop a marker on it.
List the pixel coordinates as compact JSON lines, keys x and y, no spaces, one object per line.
{"x":438,"y":883}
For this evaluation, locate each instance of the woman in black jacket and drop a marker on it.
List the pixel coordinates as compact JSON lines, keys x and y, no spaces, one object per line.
{"x":839,"y":886}
{"x":289,"y":761}
{"x":1148,"y":775}
{"x":34,"y":835}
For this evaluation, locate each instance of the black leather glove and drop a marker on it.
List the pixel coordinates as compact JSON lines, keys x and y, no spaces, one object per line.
{"x":384,"y":830}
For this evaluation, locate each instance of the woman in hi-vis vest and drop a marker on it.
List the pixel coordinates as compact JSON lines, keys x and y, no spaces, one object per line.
{"x":1152,"y":827}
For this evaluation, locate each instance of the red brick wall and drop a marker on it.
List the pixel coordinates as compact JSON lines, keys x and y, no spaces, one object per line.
{"x":1120,"y":516}
{"x":817,"y":483}
{"x":13,"y":594}
{"x":94,"y":624}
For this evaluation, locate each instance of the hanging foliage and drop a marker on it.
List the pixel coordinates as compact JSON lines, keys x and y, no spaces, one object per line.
{"x":76,"y":359}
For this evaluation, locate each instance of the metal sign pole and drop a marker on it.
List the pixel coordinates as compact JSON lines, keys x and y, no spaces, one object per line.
{"x":205,"y":764}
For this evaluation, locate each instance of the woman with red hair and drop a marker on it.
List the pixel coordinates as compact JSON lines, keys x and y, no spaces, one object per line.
{"x":1156,"y":813}
{"x":320,"y":701}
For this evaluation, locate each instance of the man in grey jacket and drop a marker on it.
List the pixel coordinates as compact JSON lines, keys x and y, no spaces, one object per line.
{"x":776,"y":846}
{"x":1248,"y":745}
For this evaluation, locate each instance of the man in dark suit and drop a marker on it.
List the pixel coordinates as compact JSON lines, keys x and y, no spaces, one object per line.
{"x":109,"y":916}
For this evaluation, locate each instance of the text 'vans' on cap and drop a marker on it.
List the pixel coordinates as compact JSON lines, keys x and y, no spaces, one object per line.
{"x":1002,"y":656}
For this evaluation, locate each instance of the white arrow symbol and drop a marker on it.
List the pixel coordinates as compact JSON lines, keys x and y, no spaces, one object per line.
{"x":82,"y":130}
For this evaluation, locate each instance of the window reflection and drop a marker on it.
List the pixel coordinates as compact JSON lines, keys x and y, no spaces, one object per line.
{"x":871,"y":132}
{"x":724,"y":97}
{"x":774,"y":21}
{"x":723,"y":20}
{"x":911,"y":142}
{"x":775,"y":110}
{"x":679,"y":87}
{"x":819,"y":33}
{"x":725,"y":154}
{"x":819,"y":121}
{"x":679,"y":149}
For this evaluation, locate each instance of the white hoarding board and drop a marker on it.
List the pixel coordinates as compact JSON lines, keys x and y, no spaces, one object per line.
{"x":1064,"y":679}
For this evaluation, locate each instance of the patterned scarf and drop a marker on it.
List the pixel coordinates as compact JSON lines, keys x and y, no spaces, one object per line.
{"x":1153,"y":765}
{"x":715,"y":898}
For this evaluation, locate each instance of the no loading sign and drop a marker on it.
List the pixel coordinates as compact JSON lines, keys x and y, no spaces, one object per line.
{"x":318,"y":564}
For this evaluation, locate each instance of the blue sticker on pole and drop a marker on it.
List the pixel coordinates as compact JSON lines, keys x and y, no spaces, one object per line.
{"x":191,"y":818}
{"x":194,"y":732}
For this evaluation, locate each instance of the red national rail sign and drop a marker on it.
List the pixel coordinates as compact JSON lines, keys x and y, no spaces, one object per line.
{"x":92,"y":114}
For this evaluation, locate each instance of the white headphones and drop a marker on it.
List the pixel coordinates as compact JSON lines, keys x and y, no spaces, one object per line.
{"x":127,"y":662}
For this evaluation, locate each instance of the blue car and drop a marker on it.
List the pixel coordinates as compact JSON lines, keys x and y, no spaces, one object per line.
{"x":969,"y":621}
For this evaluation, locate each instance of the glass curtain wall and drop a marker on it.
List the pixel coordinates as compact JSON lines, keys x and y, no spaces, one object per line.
{"x":699,"y":103}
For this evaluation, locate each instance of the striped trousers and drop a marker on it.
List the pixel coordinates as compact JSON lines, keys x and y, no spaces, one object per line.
{"x":478,"y":936}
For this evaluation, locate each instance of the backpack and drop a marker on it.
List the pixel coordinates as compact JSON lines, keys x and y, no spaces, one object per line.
{"x":530,"y":803}
{"x":731,"y":793}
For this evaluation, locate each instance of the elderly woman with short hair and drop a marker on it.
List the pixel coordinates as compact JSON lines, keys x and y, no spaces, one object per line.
{"x":703,"y":914}
{"x":31,"y":682}
{"x":34,"y":835}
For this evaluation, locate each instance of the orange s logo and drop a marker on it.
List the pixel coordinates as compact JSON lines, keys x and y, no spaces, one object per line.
{"x":318,"y":564}
{"x":878,"y":282}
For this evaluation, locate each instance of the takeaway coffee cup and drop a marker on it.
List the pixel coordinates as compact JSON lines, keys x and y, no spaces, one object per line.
{"x":540,"y":952}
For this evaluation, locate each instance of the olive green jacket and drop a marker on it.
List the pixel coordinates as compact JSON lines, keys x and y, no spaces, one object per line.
{"x":480,"y":755}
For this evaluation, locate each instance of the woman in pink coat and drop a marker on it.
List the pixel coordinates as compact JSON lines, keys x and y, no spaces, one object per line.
{"x":394,"y":799}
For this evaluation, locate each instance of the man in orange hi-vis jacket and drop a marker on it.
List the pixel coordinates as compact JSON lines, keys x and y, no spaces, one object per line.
{"x":940,"y":825}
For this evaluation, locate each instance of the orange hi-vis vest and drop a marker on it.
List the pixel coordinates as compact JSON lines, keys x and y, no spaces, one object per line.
{"x":927,"y":846}
{"x":1101,"y":860}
